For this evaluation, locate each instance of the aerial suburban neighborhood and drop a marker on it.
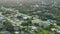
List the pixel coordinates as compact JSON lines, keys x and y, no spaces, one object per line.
{"x":29,"y":16}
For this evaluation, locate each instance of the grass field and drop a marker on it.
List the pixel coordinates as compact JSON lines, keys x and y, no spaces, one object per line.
{"x":45,"y":32}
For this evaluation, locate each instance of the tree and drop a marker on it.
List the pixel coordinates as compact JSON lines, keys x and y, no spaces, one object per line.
{"x":8,"y":26}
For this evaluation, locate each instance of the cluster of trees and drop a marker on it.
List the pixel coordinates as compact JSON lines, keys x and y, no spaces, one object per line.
{"x":8,"y":26}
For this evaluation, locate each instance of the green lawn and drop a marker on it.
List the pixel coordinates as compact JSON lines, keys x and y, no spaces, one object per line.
{"x":45,"y":32}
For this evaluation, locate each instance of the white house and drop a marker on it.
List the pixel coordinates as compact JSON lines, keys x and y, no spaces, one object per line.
{"x":53,"y":29}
